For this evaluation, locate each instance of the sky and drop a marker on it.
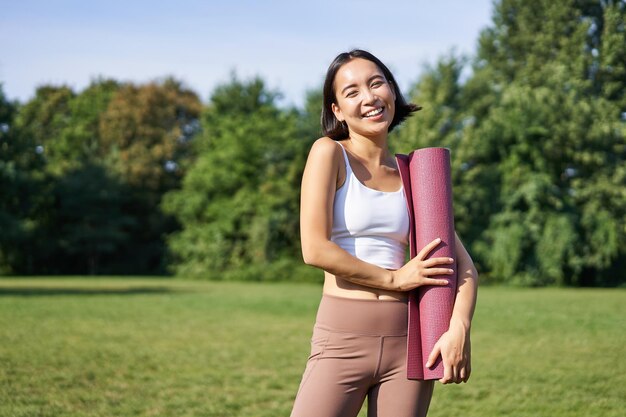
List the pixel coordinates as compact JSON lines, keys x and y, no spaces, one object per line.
{"x":289,"y":44}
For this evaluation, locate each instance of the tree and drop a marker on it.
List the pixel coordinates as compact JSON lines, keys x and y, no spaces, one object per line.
{"x":145,"y":133}
{"x":79,"y":141}
{"x":102,"y":157}
{"x":548,"y":142}
{"x":439,"y":93}
{"x":235,"y":205}
{"x":89,"y":229}
{"x":19,"y":162}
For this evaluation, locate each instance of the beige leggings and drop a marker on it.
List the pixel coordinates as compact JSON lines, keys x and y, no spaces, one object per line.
{"x":358,"y":349}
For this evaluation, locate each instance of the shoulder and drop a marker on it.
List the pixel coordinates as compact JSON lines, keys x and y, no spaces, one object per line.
{"x":326,"y":148}
{"x":326,"y":161}
{"x":325,"y":145}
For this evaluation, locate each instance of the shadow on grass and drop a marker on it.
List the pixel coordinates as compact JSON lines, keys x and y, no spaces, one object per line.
{"x":46,"y":291}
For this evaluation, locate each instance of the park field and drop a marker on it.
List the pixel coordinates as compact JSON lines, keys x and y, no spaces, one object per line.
{"x":115,"y":347}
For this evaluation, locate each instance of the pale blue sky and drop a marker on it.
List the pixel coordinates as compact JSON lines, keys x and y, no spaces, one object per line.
{"x":287,"y":43}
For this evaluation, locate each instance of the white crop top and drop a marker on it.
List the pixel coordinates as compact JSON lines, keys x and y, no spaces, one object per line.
{"x":369,"y":224}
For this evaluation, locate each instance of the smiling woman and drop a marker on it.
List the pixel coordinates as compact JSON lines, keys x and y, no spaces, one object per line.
{"x":380,"y":80}
{"x":354,"y":225}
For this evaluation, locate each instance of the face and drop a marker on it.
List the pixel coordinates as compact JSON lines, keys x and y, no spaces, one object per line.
{"x":365,"y":99}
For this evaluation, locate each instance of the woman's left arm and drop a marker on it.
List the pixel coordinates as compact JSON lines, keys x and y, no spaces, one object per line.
{"x":454,"y":345}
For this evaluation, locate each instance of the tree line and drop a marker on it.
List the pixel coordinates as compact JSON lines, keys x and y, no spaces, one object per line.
{"x":122,"y":178}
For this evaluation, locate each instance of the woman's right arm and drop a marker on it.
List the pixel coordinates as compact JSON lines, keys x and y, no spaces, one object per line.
{"x":319,"y":183}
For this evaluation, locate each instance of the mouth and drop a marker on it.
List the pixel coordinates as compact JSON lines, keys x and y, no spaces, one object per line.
{"x":374,"y":113}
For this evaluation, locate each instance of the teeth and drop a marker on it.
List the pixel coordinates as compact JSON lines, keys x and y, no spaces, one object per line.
{"x":374,"y":112}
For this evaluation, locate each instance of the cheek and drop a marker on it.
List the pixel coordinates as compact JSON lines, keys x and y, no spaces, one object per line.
{"x":349,"y":108}
{"x":390,"y":97}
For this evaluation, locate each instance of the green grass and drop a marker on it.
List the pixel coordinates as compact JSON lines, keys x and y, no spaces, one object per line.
{"x":158,"y":347}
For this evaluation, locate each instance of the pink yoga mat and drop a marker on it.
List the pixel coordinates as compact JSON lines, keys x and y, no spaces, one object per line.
{"x":425,"y":174}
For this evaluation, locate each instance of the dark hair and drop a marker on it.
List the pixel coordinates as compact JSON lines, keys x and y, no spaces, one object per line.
{"x":337,"y":130}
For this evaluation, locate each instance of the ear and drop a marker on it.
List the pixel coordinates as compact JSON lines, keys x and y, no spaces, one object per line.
{"x":337,"y":112}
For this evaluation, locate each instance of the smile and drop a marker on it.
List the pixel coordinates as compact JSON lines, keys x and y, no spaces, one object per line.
{"x":374,"y":112}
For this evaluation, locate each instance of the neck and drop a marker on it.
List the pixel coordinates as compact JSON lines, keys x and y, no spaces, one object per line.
{"x":370,"y":148}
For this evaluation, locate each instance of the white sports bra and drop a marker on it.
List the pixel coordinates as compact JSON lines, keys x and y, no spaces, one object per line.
{"x":369,"y":224}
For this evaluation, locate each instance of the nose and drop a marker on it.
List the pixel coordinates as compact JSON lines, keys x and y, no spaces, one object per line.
{"x":369,"y":97}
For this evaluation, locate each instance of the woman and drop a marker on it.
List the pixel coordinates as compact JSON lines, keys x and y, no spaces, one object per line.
{"x":354,"y":226}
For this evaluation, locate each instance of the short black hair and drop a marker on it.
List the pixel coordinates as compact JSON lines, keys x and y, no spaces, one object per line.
{"x":332,"y":127}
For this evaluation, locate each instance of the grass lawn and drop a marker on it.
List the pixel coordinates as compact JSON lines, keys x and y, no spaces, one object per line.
{"x":160,"y":347}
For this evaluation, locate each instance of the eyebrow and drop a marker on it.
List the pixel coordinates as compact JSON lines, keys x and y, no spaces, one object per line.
{"x":369,"y":81}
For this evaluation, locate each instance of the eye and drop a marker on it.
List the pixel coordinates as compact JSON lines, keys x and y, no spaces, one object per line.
{"x":351,"y":93}
{"x":377,"y":84}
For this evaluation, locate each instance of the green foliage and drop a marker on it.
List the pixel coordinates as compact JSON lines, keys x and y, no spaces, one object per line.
{"x":236,"y":202}
{"x":537,"y":133}
{"x":439,"y":93}
{"x":42,"y":120}
{"x":78,"y":141}
{"x":145,"y":132}
{"x":88,"y":225}
{"x":546,"y":149}
{"x":20,"y":190}
{"x":85,"y":174}
{"x":9,"y":221}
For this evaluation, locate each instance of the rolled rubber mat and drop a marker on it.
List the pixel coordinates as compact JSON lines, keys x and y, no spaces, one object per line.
{"x":427,"y":184}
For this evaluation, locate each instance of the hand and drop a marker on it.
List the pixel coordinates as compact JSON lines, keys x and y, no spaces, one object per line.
{"x":417,"y":271}
{"x":455,"y":349}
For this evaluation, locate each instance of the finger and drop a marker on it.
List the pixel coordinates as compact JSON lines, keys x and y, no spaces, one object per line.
{"x":429,"y":263}
{"x":428,"y":248}
{"x":456,"y":374}
{"x":437,"y":271}
{"x":447,"y":374}
{"x":463,"y":374}
{"x":468,"y":372}
{"x":434,"y":281}
{"x":433,"y":355}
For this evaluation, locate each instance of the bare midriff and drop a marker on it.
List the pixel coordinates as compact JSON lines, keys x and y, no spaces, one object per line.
{"x":341,"y":287}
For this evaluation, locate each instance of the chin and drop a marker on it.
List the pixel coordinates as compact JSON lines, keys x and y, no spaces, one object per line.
{"x":377,"y":131}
